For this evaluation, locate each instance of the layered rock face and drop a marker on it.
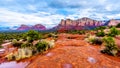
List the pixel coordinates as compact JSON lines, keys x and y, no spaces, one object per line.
{"x":79,"y":24}
{"x":38,"y":27}
{"x":113,"y":22}
{"x":35,"y":27}
{"x":24,"y":27}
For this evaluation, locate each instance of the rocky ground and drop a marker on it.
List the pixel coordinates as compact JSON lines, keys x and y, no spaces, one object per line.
{"x":71,"y":51}
{"x":74,"y":53}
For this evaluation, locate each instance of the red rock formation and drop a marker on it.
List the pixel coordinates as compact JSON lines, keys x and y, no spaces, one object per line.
{"x":35,"y":27}
{"x":78,"y":24}
{"x":24,"y":27}
{"x":113,"y":22}
{"x":38,"y":27}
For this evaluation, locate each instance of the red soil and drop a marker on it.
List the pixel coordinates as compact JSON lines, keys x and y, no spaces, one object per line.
{"x":74,"y":53}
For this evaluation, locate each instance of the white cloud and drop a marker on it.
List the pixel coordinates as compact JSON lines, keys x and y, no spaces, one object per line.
{"x":15,"y":18}
{"x":114,"y":16}
{"x":50,"y":13}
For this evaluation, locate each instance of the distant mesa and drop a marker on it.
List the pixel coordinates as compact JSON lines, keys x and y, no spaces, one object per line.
{"x":69,"y":24}
{"x":35,"y":27}
{"x":113,"y":22}
{"x":79,"y":24}
{"x":24,"y":27}
{"x":38,"y":27}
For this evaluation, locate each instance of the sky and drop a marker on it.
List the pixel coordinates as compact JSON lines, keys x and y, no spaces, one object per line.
{"x":50,"y":12}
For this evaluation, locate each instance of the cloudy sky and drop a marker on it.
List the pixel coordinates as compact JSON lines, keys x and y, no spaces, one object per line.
{"x":50,"y":12}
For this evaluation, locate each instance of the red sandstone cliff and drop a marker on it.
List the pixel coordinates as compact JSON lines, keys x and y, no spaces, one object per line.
{"x":78,"y":24}
{"x":35,"y":27}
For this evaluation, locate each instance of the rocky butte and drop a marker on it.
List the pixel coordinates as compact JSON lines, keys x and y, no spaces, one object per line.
{"x":35,"y":27}
{"x":83,"y":23}
{"x":69,"y":24}
{"x":113,"y":22}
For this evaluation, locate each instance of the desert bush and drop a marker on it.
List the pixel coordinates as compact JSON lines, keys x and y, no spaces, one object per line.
{"x":76,"y":31}
{"x":110,"y":46}
{"x":20,"y":54}
{"x":10,"y":56}
{"x":96,"y":41}
{"x":113,"y":32}
{"x":118,"y":25}
{"x":100,"y":28}
{"x":101,"y":33}
{"x":51,"y":43}
{"x":26,"y":44}
{"x":34,"y":50}
{"x":32,"y":35}
{"x":42,"y":46}
{"x":52,"y":35}
{"x":0,"y":46}
{"x":81,"y":32}
{"x":16,"y":43}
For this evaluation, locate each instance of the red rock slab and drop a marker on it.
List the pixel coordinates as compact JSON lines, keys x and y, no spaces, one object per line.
{"x":75,"y":57}
{"x":71,"y":42}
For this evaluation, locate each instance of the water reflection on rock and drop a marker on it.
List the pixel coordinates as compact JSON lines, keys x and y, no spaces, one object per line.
{"x":91,"y":60}
{"x":67,"y":66}
{"x":14,"y":64}
{"x":49,"y":54}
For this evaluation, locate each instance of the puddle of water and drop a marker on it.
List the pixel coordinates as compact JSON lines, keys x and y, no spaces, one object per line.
{"x":5,"y":44}
{"x":2,"y":50}
{"x":67,"y":66}
{"x":91,"y":60}
{"x":14,"y":64}
{"x":49,"y":54}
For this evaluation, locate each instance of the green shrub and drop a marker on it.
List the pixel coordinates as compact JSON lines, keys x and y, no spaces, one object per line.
{"x":76,"y":31}
{"x":110,"y":46}
{"x":81,"y":32}
{"x":30,"y":39}
{"x":97,"y":41}
{"x":0,"y":46}
{"x":34,"y":50}
{"x":113,"y":32}
{"x":52,"y":35}
{"x":42,"y":46}
{"x":20,"y":54}
{"x":26,"y":45}
{"x":100,"y":34}
{"x":118,"y":25}
{"x":32,"y":35}
{"x":16,"y":43}
{"x":100,"y":28}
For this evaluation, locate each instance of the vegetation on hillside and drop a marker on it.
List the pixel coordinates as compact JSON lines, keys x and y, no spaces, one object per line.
{"x":27,"y":46}
{"x":76,"y":31}
{"x":33,"y":42}
{"x":107,"y":38}
{"x":110,"y":46}
{"x":0,"y":46}
{"x":118,"y":25}
{"x":99,"y":31}
{"x":32,"y":35}
{"x":113,"y":32}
